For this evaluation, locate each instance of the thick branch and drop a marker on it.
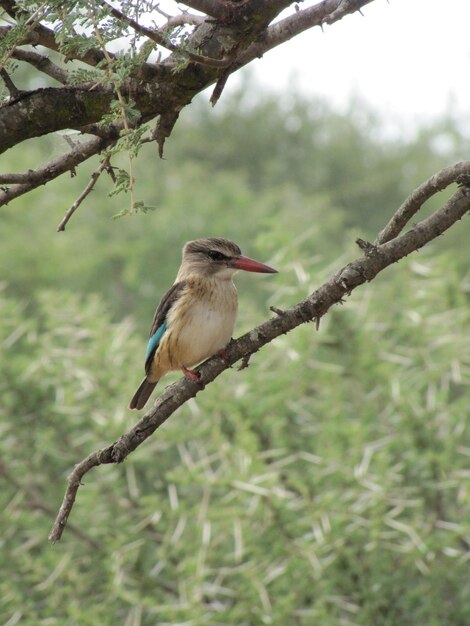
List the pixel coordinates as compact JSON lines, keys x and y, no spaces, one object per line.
{"x":363,"y":269}
{"x":215,"y":8}
{"x":43,"y":111}
{"x":35,"y":113}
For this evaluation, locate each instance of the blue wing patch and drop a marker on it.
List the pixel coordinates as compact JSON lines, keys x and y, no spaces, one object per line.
{"x":154,"y":340}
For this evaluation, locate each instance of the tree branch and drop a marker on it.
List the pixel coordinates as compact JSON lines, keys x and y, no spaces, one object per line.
{"x":215,"y":8}
{"x":66,"y":162}
{"x":326,"y":12}
{"x":174,"y":21}
{"x":9,"y":84}
{"x":42,"y":63}
{"x":159,"y":91}
{"x":64,"y":107}
{"x":41,"y":35}
{"x":454,"y":173}
{"x":36,"y":501}
{"x":88,"y":189}
{"x":161,"y":39}
{"x":375,"y":259}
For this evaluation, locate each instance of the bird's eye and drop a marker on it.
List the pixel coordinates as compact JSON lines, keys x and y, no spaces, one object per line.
{"x":216,"y":256}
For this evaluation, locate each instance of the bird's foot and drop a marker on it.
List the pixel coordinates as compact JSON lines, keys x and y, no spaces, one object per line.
{"x":223,"y":354}
{"x":191,"y":374}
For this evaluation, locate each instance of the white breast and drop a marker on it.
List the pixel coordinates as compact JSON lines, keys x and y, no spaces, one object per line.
{"x":207,"y":322}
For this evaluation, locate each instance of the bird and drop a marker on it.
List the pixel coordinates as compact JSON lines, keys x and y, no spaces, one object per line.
{"x":196,"y":317}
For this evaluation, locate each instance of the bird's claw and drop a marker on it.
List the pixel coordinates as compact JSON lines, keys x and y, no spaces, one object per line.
{"x":192,"y":375}
{"x":223,"y":354}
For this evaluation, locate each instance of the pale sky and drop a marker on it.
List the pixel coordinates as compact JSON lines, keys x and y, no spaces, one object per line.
{"x":410,"y":59}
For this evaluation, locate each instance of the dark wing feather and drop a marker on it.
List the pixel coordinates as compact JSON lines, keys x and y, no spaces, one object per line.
{"x":160,"y":316}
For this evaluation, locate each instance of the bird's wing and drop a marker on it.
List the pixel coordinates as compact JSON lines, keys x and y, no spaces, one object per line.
{"x":159,"y":321}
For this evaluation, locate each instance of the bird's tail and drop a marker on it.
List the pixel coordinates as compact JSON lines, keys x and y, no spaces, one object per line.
{"x":143,"y":393}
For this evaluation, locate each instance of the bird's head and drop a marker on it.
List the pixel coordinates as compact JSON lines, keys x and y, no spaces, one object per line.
{"x":216,"y":257}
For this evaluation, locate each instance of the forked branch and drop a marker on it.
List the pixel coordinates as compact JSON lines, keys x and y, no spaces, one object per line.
{"x":364,"y":269}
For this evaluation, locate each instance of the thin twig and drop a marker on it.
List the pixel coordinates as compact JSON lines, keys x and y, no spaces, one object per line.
{"x":360,"y":271}
{"x":104,"y":165}
{"x":415,"y":201}
{"x":9,"y":84}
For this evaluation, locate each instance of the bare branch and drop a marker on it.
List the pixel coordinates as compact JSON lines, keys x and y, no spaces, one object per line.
{"x":282,"y":31}
{"x":344,"y":8}
{"x":42,"y":63}
{"x":325,"y":12}
{"x":442,"y":179}
{"x":88,"y":189}
{"x":66,"y":162}
{"x":363,"y":269}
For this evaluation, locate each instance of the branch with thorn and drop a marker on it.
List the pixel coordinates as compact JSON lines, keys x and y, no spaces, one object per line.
{"x":333,"y":291}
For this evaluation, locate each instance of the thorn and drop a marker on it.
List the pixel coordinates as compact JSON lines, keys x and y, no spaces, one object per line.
{"x":277,"y":311}
{"x":368,"y":248}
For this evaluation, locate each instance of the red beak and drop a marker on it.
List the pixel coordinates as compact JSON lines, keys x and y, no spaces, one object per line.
{"x":250,"y":265}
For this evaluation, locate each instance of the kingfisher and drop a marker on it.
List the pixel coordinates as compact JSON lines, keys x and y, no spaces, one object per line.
{"x":196,"y":317}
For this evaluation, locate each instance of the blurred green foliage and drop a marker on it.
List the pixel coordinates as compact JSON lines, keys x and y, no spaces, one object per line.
{"x":326,"y":484}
